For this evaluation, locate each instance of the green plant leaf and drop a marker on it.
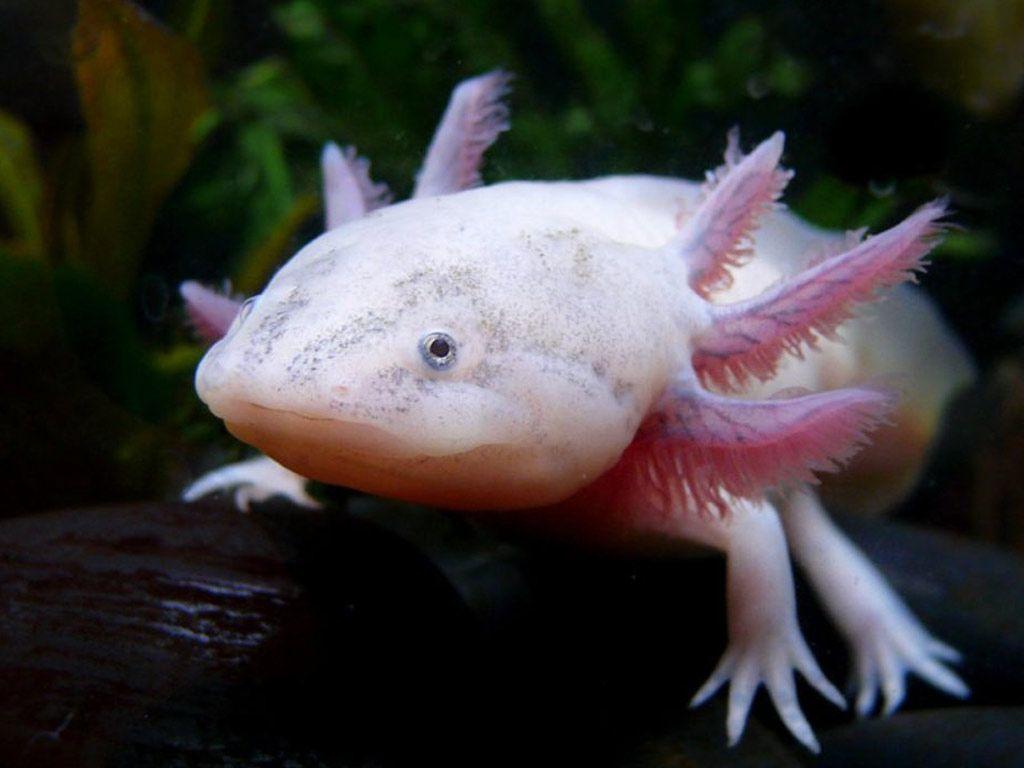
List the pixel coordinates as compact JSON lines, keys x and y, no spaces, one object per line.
{"x":258,"y":264}
{"x":142,"y":92}
{"x":610,"y":81}
{"x":272,"y":193}
{"x":21,"y":190}
{"x":967,"y":245}
{"x":829,"y":203}
{"x":29,"y":316}
{"x":270,"y":92}
{"x":103,"y":335}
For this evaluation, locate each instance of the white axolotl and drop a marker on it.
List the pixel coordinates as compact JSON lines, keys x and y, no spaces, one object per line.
{"x":549,"y":353}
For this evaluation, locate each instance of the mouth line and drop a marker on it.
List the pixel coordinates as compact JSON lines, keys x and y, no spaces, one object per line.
{"x":297,"y":415}
{"x":327,"y":420}
{"x":322,"y":421}
{"x":391,"y":435}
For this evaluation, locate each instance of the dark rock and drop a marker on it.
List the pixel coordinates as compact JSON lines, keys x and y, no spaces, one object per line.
{"x":696,"y":739}
{"x":949,"y":738}
{"x":967,"y":593}
{"x":172,"y":634}
{"x":190,"y":630}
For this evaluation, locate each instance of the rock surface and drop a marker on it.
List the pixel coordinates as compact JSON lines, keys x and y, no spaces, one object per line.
{"x":191,"y":635}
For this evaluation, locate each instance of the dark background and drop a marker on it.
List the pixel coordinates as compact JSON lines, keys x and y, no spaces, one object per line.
{"x":137,"y":150}
{"x":202,"y":144}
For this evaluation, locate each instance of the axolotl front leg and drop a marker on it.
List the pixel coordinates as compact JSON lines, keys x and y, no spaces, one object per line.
{"x":701,"y":452}
{"x":765,"y":642}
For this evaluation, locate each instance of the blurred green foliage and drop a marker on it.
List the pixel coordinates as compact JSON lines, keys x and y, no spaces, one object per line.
{"x":193,"y":153}
{"x":21,"y":190}
{"x":77,"y":225}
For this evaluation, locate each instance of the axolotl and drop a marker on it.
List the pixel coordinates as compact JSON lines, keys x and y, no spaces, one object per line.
{"x":629,"y":361}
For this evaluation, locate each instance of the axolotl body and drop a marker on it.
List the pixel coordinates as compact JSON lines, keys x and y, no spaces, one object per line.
{"x":587,"y":358}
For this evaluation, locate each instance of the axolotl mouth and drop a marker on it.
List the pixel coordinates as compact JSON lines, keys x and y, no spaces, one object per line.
{"x":486,"y":476}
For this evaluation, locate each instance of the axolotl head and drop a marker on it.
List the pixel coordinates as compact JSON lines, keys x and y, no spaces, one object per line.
{"x":443,"y":352}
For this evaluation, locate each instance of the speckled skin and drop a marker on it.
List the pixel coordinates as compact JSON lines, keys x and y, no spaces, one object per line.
{"x":585,"y":315}
{"x":560,"y":354}
{"x":578,"y":312}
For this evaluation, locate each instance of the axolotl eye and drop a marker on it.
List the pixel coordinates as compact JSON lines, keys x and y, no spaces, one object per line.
{"x":438,"y":350}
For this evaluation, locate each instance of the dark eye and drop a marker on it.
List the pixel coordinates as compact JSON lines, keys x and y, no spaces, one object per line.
{"x":438,"y":350}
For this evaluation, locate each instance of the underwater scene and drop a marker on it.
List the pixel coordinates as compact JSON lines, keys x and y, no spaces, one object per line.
{"x":561,"y":383}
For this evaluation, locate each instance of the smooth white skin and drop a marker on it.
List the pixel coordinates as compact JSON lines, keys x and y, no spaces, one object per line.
{"x":570,"y":319}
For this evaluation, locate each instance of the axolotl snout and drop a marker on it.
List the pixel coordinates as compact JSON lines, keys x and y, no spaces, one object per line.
{"x":559,"y":353}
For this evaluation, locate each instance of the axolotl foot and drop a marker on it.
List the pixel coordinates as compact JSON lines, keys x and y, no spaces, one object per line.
{"x":253,"y":481}
{"x":890,"y":644}
{"x":886,"y":640}
{"x":769,"y":660}
{"x":766,"y":645}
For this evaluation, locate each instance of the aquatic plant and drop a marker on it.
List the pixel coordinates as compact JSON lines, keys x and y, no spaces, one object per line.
{"x":185,"y":145}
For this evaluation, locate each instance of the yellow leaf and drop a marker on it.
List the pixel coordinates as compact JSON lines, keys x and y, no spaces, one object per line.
{"x":21,"y":190}
{"x":971,"y":52}
{"x":259,"y":264}
{"x":143,"y":91}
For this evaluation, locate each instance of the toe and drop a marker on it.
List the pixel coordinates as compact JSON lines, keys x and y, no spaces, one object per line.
{"x":920,"y":658}
{"x":867,"y":685}
{"x":782,"y":689}
{"x":892,"y":672}
{"x":243,"y":498}
{"x":894,"y":690}
{"x":741,"y":694}
{"x":808,"y":666}
{"x":943,"y":652}
{"x":941,"y":677}
{"x":715,"y":681}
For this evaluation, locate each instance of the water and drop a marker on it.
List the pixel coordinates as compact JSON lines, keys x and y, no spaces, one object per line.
{"x":140,"y":148}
